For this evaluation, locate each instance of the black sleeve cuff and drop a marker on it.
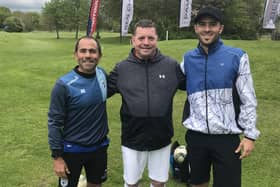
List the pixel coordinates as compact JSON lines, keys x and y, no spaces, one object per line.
{"x":250,"y":138}
{"x":56,"y":153}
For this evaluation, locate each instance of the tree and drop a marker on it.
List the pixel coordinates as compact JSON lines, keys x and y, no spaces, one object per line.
{"x":110,"y":13}
{"x":4,"y":13}
{"x":76,"y":14}
{"x":31,"y":20}
{"x":255,"y":12}
{"x":242,"y":19}
{"x":13,"y":24}
{"x":54,"y":15}
{"x":164,"y":13}
{"x":276,"y":32}
{"x":66,"y":14}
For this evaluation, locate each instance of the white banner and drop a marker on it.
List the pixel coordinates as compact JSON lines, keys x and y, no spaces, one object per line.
{"x":127,"y":14}
{"x":272,"y":11}
{"x":185,"y":13}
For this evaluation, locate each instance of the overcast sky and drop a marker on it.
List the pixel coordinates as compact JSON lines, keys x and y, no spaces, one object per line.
{"x":23,"y":5}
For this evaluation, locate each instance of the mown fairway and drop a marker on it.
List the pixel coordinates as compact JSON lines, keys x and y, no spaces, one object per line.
{"x":31,"y":62}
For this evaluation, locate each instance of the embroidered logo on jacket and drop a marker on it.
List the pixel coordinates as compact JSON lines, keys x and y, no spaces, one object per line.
{"x":83,"y":91}
{"x":161,"y":76}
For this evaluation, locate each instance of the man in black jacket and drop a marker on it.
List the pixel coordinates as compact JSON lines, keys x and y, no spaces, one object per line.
{"x":147,"y":82}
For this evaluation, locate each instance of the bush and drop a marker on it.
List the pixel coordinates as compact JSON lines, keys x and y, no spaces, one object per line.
{"x":276,"y":33}
{"x":182,"y":34}
{"x":13,"y":24}
{"x":275,"y":36}
{"x":231,"y":37}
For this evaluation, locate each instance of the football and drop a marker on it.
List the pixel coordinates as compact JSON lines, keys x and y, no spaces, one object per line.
{"x":180,"y":154}
{"x":82,"y":181}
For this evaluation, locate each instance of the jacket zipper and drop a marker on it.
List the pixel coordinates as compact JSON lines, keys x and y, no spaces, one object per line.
{"x":148,"y":88}
{"x":206,"y":97}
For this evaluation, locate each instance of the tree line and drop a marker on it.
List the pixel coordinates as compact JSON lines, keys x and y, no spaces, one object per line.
{"x":243,"y":18}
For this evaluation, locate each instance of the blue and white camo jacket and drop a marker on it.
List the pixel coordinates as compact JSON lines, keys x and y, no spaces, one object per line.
{"x":221,"y":97}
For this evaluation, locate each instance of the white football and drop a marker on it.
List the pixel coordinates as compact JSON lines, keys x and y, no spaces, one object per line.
{"x":180,"y":153}
{"x":82,"y":181}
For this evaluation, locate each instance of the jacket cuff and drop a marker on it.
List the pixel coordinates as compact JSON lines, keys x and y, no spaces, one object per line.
{"x":250,"y":138}
{"x":56,"y":153}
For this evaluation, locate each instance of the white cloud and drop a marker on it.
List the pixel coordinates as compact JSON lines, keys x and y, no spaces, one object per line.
{"x":23,"y":5}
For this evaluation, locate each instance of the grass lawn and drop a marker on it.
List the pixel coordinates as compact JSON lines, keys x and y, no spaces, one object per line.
{"x":30,"y":63}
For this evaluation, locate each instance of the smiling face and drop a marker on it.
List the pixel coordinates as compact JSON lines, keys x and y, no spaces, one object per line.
{"x":87,"y":55}
{"x":144,"y":41}
{"x":208,"y":31}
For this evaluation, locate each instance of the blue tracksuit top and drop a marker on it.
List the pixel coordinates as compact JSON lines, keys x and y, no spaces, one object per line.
{"x":77,"y":112}
{"x":221,"y":97}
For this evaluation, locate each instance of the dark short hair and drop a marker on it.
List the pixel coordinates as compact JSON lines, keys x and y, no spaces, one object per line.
{"x":209,"y":11}
{"x":144,"y":23}
{"x":88,"y":37}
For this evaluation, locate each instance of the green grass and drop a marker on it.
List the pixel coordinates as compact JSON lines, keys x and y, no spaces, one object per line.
{"x":31,"y":62}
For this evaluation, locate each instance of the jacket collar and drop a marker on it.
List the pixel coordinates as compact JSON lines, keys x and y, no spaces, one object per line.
{"x":212,"y":47}
{"x":158,"y":56}
{"x":85,"y":75}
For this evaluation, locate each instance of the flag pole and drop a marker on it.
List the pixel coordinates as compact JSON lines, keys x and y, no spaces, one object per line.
{"x":121,"y":2}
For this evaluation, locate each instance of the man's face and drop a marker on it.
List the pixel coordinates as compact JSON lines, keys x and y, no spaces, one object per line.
{"x":87,"y":55}
{"x":208,"y":30}
{"x":144,"y":41}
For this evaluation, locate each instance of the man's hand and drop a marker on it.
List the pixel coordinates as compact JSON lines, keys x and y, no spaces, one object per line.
{"x":60,"y":168}
{"x":246,"y":146}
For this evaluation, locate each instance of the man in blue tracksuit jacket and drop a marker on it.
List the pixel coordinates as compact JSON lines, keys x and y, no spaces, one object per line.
{"x":221,"y":104}
{"x":77,"y":119}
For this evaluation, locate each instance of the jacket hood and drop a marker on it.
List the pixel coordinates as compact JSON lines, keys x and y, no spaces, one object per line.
{"x":132,"y":58}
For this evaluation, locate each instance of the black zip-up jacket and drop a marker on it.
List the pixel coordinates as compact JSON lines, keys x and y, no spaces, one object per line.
{"x":147,"y":88}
